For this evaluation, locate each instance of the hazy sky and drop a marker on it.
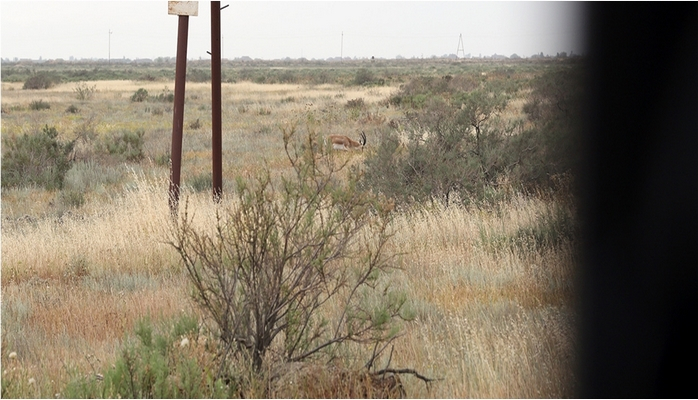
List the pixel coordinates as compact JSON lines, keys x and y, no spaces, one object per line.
{"x":273,"y":30}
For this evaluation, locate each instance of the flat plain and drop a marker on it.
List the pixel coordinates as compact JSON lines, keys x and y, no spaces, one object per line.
{"x":81,"y":265}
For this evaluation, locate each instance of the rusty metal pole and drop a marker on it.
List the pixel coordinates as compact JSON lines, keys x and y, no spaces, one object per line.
{"x":178,"y":114}
{"x":216,"y":135}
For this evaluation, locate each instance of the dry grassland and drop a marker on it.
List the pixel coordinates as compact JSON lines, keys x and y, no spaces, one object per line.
{"x":492,"y":319}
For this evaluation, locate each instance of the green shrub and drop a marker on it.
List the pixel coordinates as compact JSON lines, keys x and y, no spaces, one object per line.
{"x":41,"y":80}
{"x":422,"y":169}
{"x":83,"y":91}
{"x":126,"y":144}
{"x":319,"y":77}
{"x":139,"y":96}
{"x":416,"y":92}
{"x":198,"y":75}
{"x":160,"y":362}
{"x":459,"y":154}
{"x":163,"y":159}
{"x":553,"y":227}
{"x":356,"y":103}
{"x":147,"y":77}
{"x":38,"y":105}
{"x":363,"y":77}
{"x":554,"y":110}
{"x":36,"y":159}
{"x":72,"y":109}
{"x":459,"y":145}
{"x":287,"y":76}
{"x":72,"y":198}
{"x":166,"y":96}
{"x":202,"y":182}
{"x":6,"y":109}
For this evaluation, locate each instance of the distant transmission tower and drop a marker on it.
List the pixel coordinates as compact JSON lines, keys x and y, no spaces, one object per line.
{"x":460,"y":46}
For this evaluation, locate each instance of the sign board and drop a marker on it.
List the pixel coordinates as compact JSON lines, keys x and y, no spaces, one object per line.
{"x":190,"y":8}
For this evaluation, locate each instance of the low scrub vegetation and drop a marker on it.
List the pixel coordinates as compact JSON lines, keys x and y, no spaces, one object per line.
{"x":72,"y":109}
{"x":167,"y":361}
{"x":38,"y":159}
{"x":41,"y":80}
{"x":436,"y":262}
{"x":456,"y":139}
{"x":38,"y":105}
{"x":140,"y":96}
{"x":84,"y":91}
{"x":126,"y":145}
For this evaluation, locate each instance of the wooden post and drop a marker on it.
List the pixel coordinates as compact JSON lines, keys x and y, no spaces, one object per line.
{"x":216,"y":134}
{"x":184,"y":9}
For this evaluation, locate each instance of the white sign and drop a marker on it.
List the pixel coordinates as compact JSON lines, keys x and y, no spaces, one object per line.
{"x":183,"y":8}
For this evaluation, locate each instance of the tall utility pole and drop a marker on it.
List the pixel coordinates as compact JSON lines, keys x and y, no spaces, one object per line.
{"x":183,"y":9}
{"x":109,"y":59}
{"x":460,"y":46}
{"x":216,"y":134}
{"x":341,"y":49}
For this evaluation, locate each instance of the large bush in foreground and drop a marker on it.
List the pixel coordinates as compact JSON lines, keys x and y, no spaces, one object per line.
{"x":294,"y":264}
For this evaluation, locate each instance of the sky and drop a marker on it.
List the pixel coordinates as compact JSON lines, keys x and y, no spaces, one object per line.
{"x":296,"y":29}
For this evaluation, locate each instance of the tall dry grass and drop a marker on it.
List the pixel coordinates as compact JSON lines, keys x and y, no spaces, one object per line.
{"x":490,"y":321}
{"x":72,"y":287}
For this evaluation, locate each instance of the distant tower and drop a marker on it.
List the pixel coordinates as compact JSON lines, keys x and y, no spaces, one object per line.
{"x":460,"y":46}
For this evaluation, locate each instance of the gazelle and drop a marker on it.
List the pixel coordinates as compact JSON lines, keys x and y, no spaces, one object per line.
{"x":341,"y":142}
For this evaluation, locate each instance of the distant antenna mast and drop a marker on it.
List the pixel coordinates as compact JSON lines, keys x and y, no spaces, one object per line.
{"x":460,"y":46}
{"x":109,"y":59}
{"x":341,"y":49}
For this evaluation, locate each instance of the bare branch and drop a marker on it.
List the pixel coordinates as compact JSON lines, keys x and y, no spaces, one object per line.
{"x":407,"y":371}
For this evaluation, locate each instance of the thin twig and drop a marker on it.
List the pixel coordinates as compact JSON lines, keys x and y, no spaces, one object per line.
{"x":407,"y":371}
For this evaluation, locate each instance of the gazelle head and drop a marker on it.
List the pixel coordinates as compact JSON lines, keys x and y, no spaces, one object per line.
{"x":363,"y":140}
